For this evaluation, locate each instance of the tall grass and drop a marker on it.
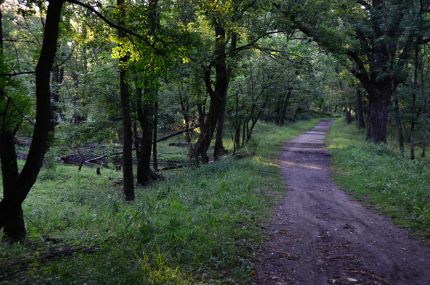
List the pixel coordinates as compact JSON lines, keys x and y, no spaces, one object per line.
{"x":200,"y":226}
{"x":379,"y":176}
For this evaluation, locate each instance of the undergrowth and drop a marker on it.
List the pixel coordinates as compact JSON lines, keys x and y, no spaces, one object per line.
{"x":200,"y":226}
{"x":378,"y":175}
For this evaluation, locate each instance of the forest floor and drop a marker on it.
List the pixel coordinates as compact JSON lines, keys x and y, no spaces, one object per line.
{"x":318,"y":234}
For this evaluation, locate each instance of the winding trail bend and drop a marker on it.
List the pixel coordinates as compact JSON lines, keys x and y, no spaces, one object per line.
{"x":319,"y":235}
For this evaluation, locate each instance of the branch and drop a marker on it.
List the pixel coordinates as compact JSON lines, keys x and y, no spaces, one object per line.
{"x":112,"y":24}
{"x":92,"y":160}
{"x":251,"y":44}
{"x":16,"y":73}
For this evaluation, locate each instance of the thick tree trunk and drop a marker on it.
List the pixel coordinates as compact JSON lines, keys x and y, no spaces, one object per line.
{"x":10,"y":206}
{"x":14,"y":228}
{"x":378,"y":116}
{"x":359,"y":107}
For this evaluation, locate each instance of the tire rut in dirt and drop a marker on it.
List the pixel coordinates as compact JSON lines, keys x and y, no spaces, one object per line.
{"x":319,"y":235}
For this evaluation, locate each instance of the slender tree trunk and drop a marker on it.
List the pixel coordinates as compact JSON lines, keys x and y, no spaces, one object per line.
{"x":219,"y":149}
{"x":146,"y":109}
{"x":217,"y":96}
{"x":359,"y":107}
{"x":155,"y":127}
{"x":19,"y":186}
{"x":237,"y":125}
{"x":127,"y":149}
{"x":57,"y":80}
{"x":185,"y":107}
{"x":145,"y":117}
{"x":414,"y":107}
{"x":348,"y":116}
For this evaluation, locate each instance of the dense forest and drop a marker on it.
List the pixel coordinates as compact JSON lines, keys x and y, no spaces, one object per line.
{"x":142,"y":96}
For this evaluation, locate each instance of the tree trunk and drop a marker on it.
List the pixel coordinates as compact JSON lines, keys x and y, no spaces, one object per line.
{"x":19,"y":186}
{"x":378,"y":116}
{"x":154,"y":139}
{"x":145,"y":109}
{"x":237,"y":125}
{"x":217,"y":96}
{"x":219,"y":149}
{"x":14,"y":228}
{"x":185,"y":107}
{"x":57,"y":80}
{"x":348,"y":116}
{"x":145,"y":114}
{"x":414,"y":103}
{"x":359,"y":107}
{"x":127,"y":146}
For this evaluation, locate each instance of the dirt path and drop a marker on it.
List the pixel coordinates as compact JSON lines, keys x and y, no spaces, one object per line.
{"x":319,"y":235}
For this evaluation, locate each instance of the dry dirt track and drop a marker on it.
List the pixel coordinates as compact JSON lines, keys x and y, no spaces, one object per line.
{"x":319,"y":235}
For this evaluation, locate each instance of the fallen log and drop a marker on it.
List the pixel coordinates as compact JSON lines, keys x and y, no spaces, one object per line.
{"x":92,"y":160}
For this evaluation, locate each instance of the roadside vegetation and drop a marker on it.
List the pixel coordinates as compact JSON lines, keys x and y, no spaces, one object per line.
{"x":379,"y":176}
{"x":201,"y":225}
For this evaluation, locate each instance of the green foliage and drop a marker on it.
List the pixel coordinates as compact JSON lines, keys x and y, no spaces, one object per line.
{"x":378,"y":175}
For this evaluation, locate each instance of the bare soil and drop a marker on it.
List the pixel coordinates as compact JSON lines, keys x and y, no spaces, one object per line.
{"x":320,"y":235}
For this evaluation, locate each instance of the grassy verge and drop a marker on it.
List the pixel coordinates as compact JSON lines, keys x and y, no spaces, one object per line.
{"x":200,"y":226}
{"x":379,"y":176}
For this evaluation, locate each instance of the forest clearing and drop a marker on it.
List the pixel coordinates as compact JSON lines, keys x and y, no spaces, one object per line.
{"x":214,"y":142}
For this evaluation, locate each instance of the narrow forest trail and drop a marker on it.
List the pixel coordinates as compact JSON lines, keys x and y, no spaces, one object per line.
{"x":319,"y":235}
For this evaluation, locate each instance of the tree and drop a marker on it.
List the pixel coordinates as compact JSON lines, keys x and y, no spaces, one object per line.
{"x":16,"y":186}
{"x":127,"y":152}
{"x":376,"y":36}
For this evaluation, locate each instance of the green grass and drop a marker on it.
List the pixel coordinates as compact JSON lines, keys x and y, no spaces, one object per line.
{"x":379,"y":176}
{"x":200,"y":226}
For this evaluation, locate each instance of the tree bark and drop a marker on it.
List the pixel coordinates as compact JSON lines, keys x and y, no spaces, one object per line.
{"x":145,"y":109}
{"x":414,"y":116}
{"x":127,"y":146}
{"x":145,"y":117}
{"x":217,"y":96}
{"x":155,"y":128}
{"x":14,"y":229}
{"x":378,"y":116}
{"x":19,"y":186}
{"x":219,"y":149}
{"x":359,"y":107}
